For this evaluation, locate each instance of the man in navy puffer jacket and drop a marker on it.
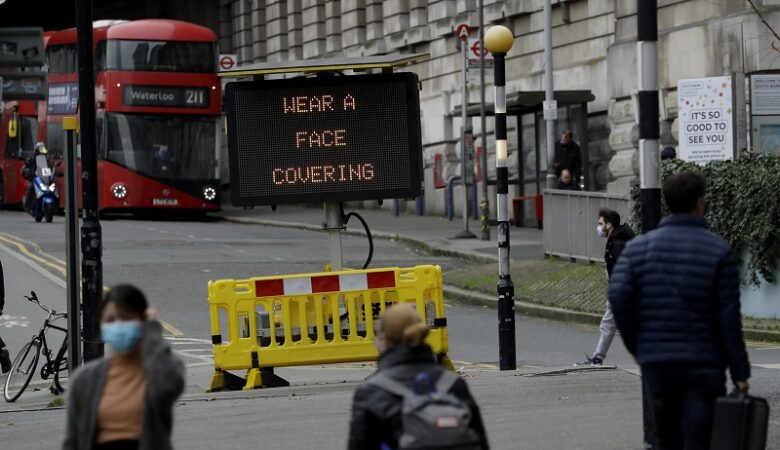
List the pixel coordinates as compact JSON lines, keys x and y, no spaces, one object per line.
{"x":675,"y":296}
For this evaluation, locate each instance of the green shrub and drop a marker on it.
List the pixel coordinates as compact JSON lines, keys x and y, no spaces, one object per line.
{"x":743,"y":206}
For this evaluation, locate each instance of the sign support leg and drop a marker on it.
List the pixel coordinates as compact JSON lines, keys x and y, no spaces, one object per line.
{"x":72,"y":243}
{"x":334,"y":224}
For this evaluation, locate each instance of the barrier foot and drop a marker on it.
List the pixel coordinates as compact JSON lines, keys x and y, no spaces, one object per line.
{"x":446,"y":362}
{"x":222,"y":380}
{"x":264,"y":378}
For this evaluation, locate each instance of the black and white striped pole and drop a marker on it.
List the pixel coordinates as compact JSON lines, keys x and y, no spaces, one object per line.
{"x":498,"y":41}
{"x":649,"y":159}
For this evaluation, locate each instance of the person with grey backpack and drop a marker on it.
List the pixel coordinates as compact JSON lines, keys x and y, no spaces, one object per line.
{"x":410,"y":402}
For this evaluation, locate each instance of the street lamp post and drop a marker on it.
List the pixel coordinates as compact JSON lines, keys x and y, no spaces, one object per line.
{"x":498,"y":40}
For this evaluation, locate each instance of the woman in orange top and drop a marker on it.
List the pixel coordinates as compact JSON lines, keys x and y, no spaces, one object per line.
{"x":125,"y":401}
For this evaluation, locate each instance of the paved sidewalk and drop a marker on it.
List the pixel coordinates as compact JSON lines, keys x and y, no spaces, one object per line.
{"x":435,"y":234}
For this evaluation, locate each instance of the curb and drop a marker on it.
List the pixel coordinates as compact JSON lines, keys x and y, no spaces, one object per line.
{"x":565,"y":315}
{"x":479,"y":298}
{"x":529,"y":309}
{"x":416,"y":243}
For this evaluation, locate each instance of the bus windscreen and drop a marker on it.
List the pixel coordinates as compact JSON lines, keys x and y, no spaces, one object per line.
{"x":163,"y":147}
{"x":160,"y":56}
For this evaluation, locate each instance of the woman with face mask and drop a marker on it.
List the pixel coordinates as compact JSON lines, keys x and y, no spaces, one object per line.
{"x":125,"y":401}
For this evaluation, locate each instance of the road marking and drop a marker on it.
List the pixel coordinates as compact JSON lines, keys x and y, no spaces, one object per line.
{"x":24,"y":250}
{"x":25,"y":255}
{"x":767,"y":366}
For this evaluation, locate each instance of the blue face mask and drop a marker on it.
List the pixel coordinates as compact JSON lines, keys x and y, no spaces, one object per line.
{"x":122,"y":336}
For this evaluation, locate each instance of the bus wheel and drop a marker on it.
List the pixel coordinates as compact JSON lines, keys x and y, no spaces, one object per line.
{"x":2,"y":191}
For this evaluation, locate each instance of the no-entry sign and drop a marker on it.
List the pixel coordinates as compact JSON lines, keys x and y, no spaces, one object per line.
{"x":227,"y":61}
{"x":308,"y":140}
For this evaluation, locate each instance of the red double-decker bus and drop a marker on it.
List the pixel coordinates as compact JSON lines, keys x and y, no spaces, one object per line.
{"x":158,"y":108}
{"x":18,"y":135}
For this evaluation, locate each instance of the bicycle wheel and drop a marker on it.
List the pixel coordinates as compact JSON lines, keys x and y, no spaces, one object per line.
{"x":22,"y":370}
{"x":61,"y":367}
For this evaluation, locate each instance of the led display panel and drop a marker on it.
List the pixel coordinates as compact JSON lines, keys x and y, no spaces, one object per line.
{"x":333,"y":138}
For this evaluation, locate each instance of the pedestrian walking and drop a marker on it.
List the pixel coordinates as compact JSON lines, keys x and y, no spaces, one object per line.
{"x":407,"y":372}
{"x":617,"y":237}
{"x":568,"y":156}
{"x":5,"y":357}
{"x":125,"y":401}
{"x":675,"y":295}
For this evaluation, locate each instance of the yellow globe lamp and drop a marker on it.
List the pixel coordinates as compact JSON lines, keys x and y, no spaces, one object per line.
{"x":499,"y":39}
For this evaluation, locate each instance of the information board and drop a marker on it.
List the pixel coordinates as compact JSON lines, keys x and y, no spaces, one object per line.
{"x":335,"y":138}
{"x":765,"y":94}
{"x":711,"y":120}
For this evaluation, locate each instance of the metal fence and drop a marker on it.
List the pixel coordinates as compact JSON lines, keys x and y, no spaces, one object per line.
{"x":570,"y":219}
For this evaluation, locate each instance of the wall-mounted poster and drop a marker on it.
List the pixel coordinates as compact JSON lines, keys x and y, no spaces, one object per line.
{"x":710,"y":121}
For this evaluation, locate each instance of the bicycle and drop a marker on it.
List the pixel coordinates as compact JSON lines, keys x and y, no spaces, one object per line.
{"x":25,"y":363}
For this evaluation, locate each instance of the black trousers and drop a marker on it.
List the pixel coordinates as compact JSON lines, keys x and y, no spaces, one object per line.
{"x":682,"y":402}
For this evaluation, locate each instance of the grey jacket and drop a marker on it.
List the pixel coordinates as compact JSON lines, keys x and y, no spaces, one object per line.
{"x":164,"y":383}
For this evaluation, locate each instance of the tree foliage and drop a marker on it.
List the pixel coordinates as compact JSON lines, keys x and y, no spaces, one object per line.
{"x":742,"y":205}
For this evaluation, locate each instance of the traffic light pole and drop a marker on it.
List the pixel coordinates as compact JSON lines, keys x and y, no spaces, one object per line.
{"x":91,"y":233}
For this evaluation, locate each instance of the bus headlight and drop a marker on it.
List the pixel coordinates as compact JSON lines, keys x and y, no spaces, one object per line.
{"x":119,"y":191}
{"x":209,"y":193}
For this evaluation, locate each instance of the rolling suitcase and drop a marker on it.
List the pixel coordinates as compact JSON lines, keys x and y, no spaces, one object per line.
{"x":740,"y":423}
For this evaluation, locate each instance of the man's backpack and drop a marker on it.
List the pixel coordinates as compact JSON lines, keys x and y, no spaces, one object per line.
{"x":432,"y":420}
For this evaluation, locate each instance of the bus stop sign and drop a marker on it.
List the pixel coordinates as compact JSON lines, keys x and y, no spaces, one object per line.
{"x":334,"y":138}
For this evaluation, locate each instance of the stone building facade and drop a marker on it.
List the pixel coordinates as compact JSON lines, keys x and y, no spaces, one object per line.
{"x":594,"y":50}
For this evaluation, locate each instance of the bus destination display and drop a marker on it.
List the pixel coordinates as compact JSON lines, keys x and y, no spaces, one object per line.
{"x":336,"y":138}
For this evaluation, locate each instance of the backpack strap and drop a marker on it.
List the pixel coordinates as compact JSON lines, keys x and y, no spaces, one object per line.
{"x":443,"y":385}
{"x":446,"y":381}
{"x":388,"y":384}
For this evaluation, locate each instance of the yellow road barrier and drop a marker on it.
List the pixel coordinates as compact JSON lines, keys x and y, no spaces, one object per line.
{"x":261,"y":323}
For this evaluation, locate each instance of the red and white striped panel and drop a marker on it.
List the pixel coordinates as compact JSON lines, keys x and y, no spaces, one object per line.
{"x":324,"y":283}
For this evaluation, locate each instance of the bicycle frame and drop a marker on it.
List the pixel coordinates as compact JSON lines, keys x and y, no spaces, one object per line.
{"x":48,"y":368}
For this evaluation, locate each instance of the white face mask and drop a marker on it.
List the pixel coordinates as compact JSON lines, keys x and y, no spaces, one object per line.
{"x":601,"y":231}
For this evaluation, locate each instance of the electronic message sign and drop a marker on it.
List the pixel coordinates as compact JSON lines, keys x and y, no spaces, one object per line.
{"x":333,"y":138}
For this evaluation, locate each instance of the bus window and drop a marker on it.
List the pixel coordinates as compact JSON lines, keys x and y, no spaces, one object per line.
{"x":161,"y":56}
{"x":62,"y":58}
{"x":100,"y":56}
{"x":55,"y":140}
{"x":28,"y":132}
{"x":179,"y":148}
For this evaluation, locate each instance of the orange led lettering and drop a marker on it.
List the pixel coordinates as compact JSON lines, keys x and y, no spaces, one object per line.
{"x":323,"y":174}
{"x":302,"y":104}
{"x":289,"y":108}
{"x":279,"y":180}
{"x":339,"y":141}
{"x":368,"y":172}
{"x":314,"y":140}
{"x":329,"y":171}
{"x":300,"y":137}
{"x":314,"y":104}
{"x":316,"y":174}
{"x":327,"y":102}
{"x":349,"y":102}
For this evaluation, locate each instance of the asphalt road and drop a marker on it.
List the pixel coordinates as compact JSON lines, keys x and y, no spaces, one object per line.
{"x":174,"y":260}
